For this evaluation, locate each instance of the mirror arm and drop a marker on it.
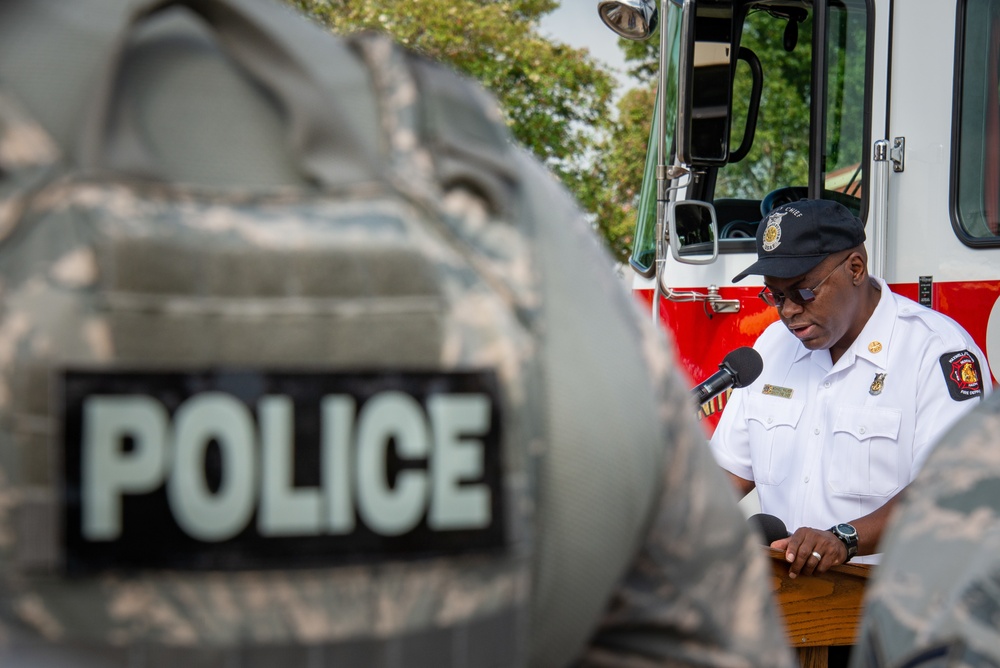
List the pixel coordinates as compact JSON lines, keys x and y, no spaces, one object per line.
{"x":665,"y":174}
{"x":666,"y":29}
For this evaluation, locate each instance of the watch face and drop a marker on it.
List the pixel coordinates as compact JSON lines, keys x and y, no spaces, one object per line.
{"x":846,"y":530}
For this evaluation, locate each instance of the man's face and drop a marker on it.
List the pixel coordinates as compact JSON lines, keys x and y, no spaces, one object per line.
{"x":830,"y":318}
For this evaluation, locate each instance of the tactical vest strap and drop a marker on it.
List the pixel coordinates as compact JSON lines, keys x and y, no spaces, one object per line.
{"x":439,"y":127}
{"x":480,"y":642}
{"x":320,"y":141}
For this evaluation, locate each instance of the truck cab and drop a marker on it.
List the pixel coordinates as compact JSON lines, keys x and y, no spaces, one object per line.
{"x":887,"y":106}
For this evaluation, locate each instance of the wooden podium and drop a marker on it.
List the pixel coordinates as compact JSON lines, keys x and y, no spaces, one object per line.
{"x":820,"y":611}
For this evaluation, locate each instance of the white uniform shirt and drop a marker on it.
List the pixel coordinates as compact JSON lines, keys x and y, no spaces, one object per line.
{"x":831,"y":443}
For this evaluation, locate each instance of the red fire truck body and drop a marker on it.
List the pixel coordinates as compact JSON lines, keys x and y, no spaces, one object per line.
{"x":888,"y":106}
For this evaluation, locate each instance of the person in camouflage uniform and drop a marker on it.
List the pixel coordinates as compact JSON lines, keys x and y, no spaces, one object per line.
{"x":216,"y":205}
{"x":934,"y":599}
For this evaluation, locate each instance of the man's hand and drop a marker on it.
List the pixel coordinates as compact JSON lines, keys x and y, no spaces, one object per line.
{"x":803,"y":546}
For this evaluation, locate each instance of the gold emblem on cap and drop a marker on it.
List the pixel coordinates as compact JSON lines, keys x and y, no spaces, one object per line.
{"x":877,"y":384}
{"x":772,"y":231}
{"x":874,"y":347}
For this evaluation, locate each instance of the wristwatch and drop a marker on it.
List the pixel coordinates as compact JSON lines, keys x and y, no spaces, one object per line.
{"x":848,"y":535}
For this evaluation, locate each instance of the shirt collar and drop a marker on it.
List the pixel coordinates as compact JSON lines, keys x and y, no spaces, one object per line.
{"x":873,"y":342}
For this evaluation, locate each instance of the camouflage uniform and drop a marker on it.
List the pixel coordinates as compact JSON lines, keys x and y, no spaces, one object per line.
{"x":934,"y":599}
{"x":393,"y":230}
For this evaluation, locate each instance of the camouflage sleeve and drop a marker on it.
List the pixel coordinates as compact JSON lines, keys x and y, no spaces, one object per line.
{"x":935,"y":598}
{"x":643,"y":556}
{"x":698,"y":592}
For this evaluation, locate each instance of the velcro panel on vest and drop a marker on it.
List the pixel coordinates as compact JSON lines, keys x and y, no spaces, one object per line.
{"x":112,"y":276}
{"x":480,"y":642}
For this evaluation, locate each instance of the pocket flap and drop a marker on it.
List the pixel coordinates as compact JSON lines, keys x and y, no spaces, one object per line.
{"x":864,"y":422}
{"x":773,"y":412}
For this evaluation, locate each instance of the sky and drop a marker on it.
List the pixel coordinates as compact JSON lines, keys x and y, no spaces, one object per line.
{"x":577,"y":24}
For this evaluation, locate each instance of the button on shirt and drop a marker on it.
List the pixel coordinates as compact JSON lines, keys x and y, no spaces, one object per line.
{"x":828,"y":443}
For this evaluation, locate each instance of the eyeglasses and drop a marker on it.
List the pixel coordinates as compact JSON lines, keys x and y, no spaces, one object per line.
{"x":800,"y":296}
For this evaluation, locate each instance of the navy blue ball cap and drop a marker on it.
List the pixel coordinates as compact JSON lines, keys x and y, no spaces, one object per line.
{"x":796,"y":237}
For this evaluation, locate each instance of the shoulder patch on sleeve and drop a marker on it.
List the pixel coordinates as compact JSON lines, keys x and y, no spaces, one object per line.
{"x":962,"y":375}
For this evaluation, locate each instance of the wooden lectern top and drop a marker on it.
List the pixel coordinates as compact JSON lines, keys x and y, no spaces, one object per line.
{"x":819,"y":610}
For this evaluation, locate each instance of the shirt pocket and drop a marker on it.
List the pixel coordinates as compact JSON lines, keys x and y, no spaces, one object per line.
{"x":865,"y":456}
{"x":771,"y":424}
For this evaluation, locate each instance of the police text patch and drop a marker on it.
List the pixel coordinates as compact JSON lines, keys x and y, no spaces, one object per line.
{"x":962,"y":375}
{"x":247,"y":469}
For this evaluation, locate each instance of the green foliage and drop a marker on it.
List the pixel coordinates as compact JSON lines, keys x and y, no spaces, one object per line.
{"x":780,"y":154}
{"x":557,"y":100}
{"x":620,"y":170}
{"x":643,"y":57}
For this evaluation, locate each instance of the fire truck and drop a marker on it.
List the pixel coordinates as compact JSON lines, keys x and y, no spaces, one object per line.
{"x":887,"y":106}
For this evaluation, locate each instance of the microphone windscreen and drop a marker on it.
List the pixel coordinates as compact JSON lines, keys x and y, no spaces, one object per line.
{"x":772,"y":527}
{"x":745,"y":363}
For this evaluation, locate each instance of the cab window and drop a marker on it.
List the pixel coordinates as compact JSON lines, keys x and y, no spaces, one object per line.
{"x":776,"y":53}
{"x":977,"y":149}
{"x":777,"y":167}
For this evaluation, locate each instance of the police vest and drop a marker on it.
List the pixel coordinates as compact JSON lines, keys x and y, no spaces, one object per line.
{"x":302,"y":361}
{"x":258,"y":393}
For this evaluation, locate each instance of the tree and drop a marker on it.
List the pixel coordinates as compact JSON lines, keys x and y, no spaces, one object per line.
{"x":619,"y":171}
{"x":556,"y":99}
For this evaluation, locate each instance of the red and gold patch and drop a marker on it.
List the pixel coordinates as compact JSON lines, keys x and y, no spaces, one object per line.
{"x":962,"y":375}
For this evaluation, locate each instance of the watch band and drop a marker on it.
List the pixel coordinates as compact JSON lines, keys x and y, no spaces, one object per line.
{"x":848,"y":535}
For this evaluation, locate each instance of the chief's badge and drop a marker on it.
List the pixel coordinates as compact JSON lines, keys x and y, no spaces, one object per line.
{"x":962,"y":375}
{"x":877,"y":384}
{"x":772,"y":231}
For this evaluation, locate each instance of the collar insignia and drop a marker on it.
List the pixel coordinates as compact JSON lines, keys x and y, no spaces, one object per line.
{"x":875,"y":346}
{"x":879,"y":381}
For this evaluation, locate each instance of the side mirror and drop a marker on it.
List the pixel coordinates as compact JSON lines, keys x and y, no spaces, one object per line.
{"x":631,"y":19}
{"x":693,"y":231}
{"x":705,"y":83}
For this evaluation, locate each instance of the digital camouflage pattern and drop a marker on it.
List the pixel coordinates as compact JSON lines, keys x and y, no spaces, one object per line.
{"x":934,"y":600}
{"x":453,"y":250}
{"x":103,"y":269}
{"x":698,"y":591}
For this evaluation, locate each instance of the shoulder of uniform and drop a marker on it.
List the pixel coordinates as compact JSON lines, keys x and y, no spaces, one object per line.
{"x":935,"y":323}
{"x":776,"y":334}
{"x":949,"y":348}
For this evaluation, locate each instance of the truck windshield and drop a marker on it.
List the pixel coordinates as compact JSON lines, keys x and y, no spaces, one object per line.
{"x":644,"y":246}
{"x":776,"y":169}
{"x":782,"y":40}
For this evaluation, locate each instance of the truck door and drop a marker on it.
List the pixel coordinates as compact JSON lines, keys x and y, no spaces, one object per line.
{"x":943,"y":195}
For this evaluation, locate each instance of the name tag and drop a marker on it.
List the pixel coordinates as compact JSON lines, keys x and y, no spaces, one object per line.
{"x":777,"y":391}
{"x":245,"y":469}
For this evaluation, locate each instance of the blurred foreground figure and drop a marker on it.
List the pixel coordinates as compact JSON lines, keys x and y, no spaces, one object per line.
{"x":934,"y":601}
{"x":303,"y":363}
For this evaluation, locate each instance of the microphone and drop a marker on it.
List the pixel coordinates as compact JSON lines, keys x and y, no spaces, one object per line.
{"x":738,"y":369}
{"x":769,"y":525}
